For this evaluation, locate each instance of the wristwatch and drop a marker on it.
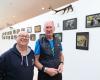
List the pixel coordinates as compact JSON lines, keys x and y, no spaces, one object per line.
{"x":45,"y":69}
{"x":61,"y":62}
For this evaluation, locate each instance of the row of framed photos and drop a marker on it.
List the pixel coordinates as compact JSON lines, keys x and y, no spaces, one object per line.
{"x":28,"y":29}
{"x":91,"y":22}
{"x":32,"y":36}
{"x":82,"y":39}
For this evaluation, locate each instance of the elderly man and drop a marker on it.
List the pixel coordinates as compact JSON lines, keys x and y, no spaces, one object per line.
{"x":18,"y":62}
{"x":48,"y":55}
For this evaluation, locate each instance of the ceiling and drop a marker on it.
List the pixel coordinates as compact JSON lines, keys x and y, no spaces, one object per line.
{"x":14,"y":11}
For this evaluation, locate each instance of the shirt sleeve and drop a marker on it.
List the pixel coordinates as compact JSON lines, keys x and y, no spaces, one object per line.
{"x":37,"y":48}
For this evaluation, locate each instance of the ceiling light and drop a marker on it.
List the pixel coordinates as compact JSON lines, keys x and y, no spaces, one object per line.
{"x":43,"y":8}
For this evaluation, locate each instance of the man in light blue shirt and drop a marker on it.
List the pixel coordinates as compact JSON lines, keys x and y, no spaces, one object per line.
{"x":48,"y":55}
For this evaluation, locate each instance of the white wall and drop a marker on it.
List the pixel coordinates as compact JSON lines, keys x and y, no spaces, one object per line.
{"x":79,"y":64}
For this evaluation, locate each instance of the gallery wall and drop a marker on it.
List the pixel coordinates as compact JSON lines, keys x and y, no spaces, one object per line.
{"x":79,"y":64}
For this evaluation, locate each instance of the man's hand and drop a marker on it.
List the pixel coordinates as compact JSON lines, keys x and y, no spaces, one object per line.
{"x":60,"y":68}
{"x":51,"y":71}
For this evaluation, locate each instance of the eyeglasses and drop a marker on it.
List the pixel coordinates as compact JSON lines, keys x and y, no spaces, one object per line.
{"x":23,"y":36}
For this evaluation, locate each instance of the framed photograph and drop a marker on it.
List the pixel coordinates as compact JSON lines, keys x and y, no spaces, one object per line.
{"x":22,"y":29}
{"x":14,"y":36}
{"x":59,"y":36}
{"x":10,"y":32}
{"x":29,"y":29}
{"x":41,"y":35}
{"x":6,"y":37}
{"x":9,"y":37}
{"x":70,"y":24}
{"x":3,"y":37}
{"x":5,"y":33}
{"x":37,"y":28}
{"x":32,"y":37}
{"x":93,"y":20}
{"x":82,"y":40}
{"x":18,"y":30}
{"x":14,"y":31}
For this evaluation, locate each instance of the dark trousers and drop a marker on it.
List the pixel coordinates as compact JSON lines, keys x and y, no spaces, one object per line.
{"x":44,"y":76}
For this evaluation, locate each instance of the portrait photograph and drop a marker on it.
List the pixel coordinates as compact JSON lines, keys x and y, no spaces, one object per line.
{"x":82,"y":40}
{"x":37,"y":28}
{"x":32,"y":37}
{"x":59,"y":36}
{"x":70,"y":24}
{"x":93,"y":21}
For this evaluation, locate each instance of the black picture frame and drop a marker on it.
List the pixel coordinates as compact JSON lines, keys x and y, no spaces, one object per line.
{"x":82,"y":40}
{"x":70,"y":24}
{"x":59,"y":36}
{"x":93,"y":20}
{"x":32,"y":37}
{"x":41,"y":35}
{"x":14,"y":31}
